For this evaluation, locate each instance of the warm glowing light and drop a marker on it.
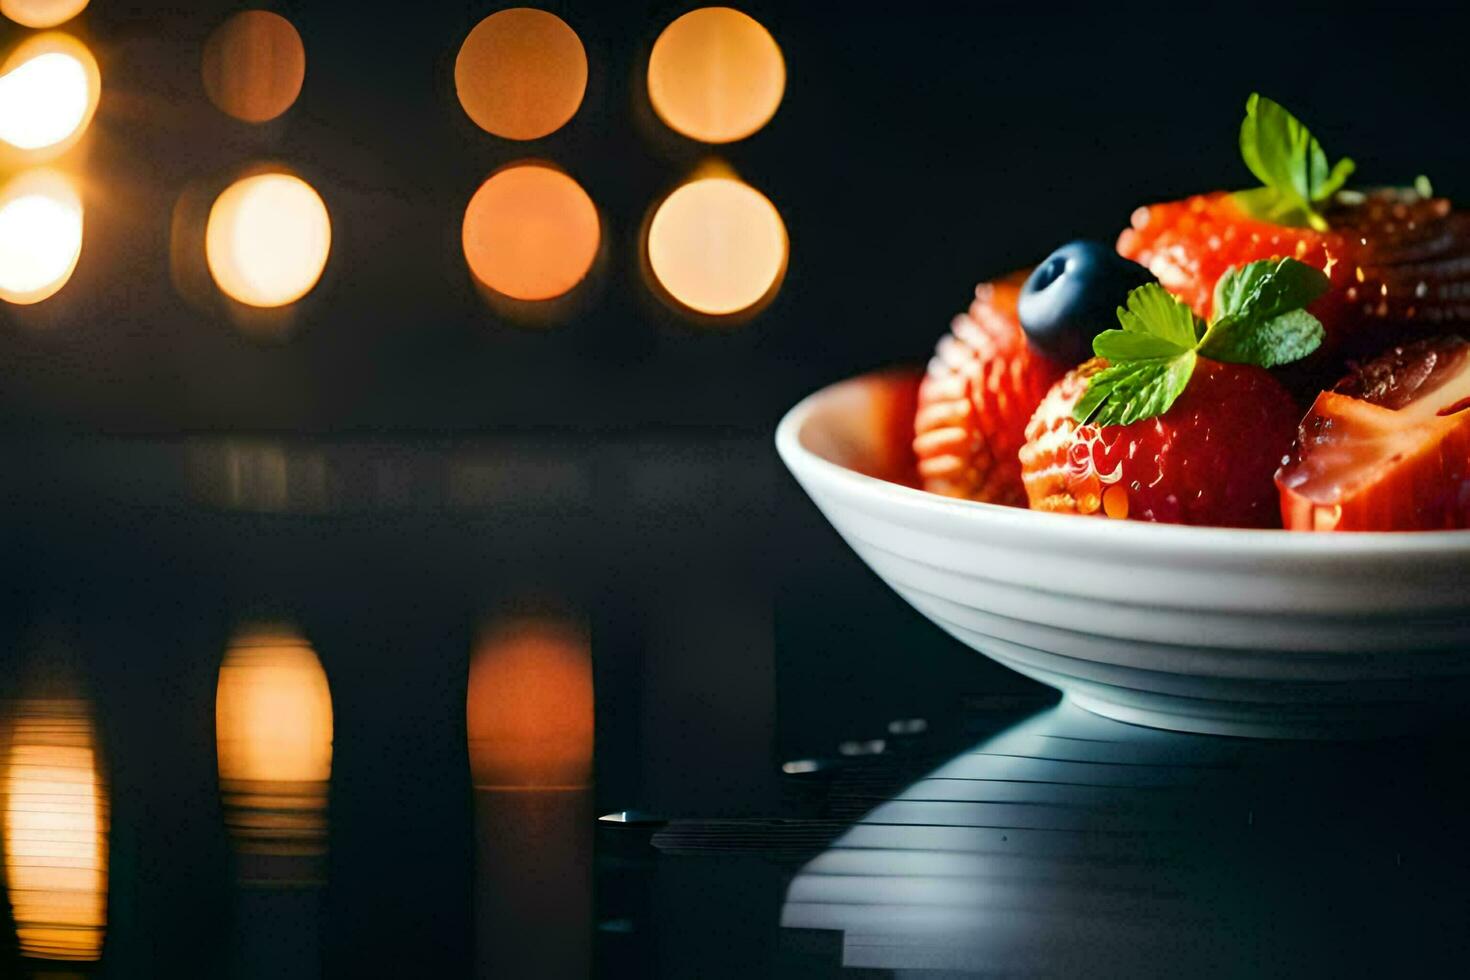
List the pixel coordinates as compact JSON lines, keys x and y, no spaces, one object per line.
{"x":529,"y":708}
{"x":41,"y":13}
{"x":40,"y":236}
{"x":267,"y":239}
{"x":273,"y":709}
{"x":717,"y":245}
{"x":273,"y":731}
{"x":716,"y":75}
{"x":254,"y":64}
{"x":48,"y":92}
{"x":56,"y":817}
{"x":42,"y":101}
{"x":531,"y":232}
{"x":521,"y":73}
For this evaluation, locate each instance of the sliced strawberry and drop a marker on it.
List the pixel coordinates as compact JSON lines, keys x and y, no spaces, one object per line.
{"x":1388,"y":449}
{"x":1207,"y":460}
{"x":981,"y":387}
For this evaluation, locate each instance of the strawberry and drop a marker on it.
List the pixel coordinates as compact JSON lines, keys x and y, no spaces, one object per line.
{"x":1399,"y":262}
{"x":981,"y":387}
{"x":1208,"y":459}
{"x":1189,"y":244}
{"x":1388,"y":448}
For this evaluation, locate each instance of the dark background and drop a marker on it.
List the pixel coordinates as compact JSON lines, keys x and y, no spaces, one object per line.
{"x":918,"y":149}
{"x":616,"y":463}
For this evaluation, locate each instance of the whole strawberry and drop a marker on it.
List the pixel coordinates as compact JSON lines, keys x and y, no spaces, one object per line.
{"x":1175,"y":420}
{"x":1208,"y":460}
{"x":981,"y":387}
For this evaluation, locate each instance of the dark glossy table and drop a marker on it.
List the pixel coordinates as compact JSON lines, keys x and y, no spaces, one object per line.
{"x":532,"y":708}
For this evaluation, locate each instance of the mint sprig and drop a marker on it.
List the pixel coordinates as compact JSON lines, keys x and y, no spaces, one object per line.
{"x":1288,"y":160}
{"x":1259,"y":318}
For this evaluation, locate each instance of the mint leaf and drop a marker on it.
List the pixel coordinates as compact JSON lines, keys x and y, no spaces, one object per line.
{"x":1259,"y":315}
{"x":1288,"y":160}
{"x":1129,"y":391}
{"x":1150,"y":359}
{"x":1259,"y":319}
{"x":1128,"y":345}
{"x":1152,"y":309}
{"x":1266,"y":288}
{"x":1268,"y":343}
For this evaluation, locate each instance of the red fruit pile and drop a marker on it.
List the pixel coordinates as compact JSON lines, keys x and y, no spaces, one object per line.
{"x":1399,"y":262}
{"x":1386,"y":448}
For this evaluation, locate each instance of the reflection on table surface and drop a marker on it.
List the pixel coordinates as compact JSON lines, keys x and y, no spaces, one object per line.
{"x":1070,"y":845}
{"x":360,"y":717}
{"x":55,"y":816}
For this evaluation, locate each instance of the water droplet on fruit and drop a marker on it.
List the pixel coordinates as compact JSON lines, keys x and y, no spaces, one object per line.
{"x":1115,"y":503}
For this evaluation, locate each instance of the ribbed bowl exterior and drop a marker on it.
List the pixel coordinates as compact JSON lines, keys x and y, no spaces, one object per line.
{"x":1255,"y":633}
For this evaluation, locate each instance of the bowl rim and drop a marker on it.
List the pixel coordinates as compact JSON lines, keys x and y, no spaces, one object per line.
{"x":1063,"y":529}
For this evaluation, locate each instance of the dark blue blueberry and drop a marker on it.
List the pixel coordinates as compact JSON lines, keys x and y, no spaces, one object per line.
{"x":1073,"y":296}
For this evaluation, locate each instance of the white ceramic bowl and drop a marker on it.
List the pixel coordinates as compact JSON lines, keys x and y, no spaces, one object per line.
{"x":1258,"y":633}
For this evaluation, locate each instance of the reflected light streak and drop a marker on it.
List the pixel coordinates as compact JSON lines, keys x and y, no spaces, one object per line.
{"x":530,"y":718}
{"x":56,"y":825}
{"x":40,"y":236}
{"x":273,"y":731}
{"x":718,"y":246}
{"x":529,"y":707}
{"x":48,"y":93}
{"x":267,"y":239}
{"x":260,"y":476}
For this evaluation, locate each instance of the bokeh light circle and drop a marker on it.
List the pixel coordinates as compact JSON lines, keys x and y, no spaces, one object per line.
{"x":254,"y":65}
{"x":521,"y":73}
{"x":716,"y":75}
{"x":49,"y":89}
{"x":717,"y":245}
{"x":531,"y":232}
{"x":40,"y":236}
{"x":41,"y":13}
{"x":267,"y":239}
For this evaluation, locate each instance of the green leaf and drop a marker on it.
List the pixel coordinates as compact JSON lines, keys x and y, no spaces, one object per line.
{"x":1124,"y":393}
{"x":1288,"y":160}
{"x":1268,"y":287}
{"x":1128,"y":345}
{"x":1335,"y":180}
{"x":1259,"y":319}
{"x":1269,"y":205}
{"x":1259,"y":313}
{"x":1269,"y":343}
{"x":1152,"y":309}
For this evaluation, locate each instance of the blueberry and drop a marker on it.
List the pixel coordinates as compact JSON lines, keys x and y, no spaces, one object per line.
{"x":1072,"y":297}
